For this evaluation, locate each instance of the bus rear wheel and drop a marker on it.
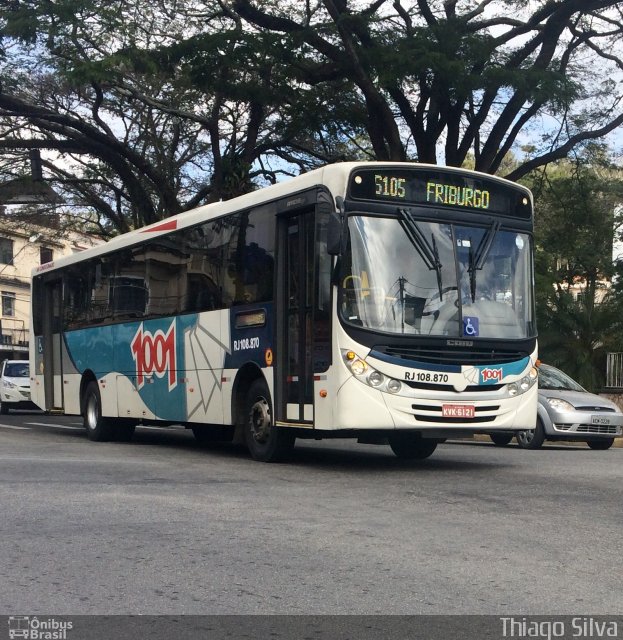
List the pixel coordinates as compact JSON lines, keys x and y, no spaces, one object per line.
{"x":98,"y":428}
{"x":411,"y":446}
{"x":265,"y":441}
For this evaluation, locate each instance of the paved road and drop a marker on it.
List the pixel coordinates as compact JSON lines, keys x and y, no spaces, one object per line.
{"x":163,"y":526}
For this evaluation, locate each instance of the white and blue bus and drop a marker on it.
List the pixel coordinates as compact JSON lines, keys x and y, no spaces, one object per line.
{"x":388,"y":302}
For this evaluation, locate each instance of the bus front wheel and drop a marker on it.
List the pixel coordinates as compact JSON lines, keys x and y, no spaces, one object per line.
{"x":98,"y":428}
{"x":501,"y":439}
{"x":265,"y":441}
{"x":411,"y":446}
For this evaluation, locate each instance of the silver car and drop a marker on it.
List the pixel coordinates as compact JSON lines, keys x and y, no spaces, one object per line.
{"x":567,"y":411}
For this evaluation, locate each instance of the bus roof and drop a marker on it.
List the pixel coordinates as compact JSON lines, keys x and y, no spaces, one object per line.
{"x":333,"y":176}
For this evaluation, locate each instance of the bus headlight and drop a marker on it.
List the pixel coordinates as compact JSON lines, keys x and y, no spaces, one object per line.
{"x":521,"y":386}
{"x":358,"y":367}
{"x":373,"y":378}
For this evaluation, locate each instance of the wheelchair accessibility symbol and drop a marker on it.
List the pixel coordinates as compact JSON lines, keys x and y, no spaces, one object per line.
{"x":470,"y":326}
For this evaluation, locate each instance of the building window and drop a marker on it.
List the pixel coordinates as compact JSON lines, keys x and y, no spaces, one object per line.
{"x":6,"y":251}
{"x":8,"y":303}
{"x":45,"y":255}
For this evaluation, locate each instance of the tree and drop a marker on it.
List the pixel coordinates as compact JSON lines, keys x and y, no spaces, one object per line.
{"x":154,"y":109}
{"x":461,"y":77}
{"x":163,"y":106}
{"x":579,"y":313}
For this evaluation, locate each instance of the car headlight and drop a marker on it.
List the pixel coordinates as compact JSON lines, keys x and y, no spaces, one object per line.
{"x":560,"y":405}
{"x":8,"y":384}
{"x":373,"y":378}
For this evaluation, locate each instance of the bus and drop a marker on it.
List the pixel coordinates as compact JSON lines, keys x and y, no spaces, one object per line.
{"x":388,"y":302}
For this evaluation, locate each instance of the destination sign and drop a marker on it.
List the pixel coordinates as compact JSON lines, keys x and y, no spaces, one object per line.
{"x":439,"y":188}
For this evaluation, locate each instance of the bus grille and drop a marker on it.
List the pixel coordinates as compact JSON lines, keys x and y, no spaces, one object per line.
{"x":472,"y":356}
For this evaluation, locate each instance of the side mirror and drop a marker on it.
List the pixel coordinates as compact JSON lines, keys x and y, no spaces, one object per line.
{"x":336,"y":229}
{"x":334,"y":234}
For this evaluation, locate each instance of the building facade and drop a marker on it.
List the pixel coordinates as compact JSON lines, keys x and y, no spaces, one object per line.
{"x":21,"y":250}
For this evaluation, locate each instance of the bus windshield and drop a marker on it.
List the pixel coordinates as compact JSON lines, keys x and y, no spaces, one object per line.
{"x":442,"y":279}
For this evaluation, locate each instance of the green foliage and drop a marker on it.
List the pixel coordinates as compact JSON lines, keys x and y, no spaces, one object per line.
{"x":579,"y":315}
{"x":576,"y":334}
{"x":166,"y":98}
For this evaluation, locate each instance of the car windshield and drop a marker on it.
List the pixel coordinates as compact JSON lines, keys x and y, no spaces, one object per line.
{"x":403,"y":275}
{"x":16,"y":370}
{"x":554,"y":379}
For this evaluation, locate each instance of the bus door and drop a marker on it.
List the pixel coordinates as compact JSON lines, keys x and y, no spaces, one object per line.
{"x":52,"y":343}
{"x":303,"y":324}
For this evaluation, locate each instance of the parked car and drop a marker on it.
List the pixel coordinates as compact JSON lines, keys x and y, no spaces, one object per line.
{"x":567,"y":411}
{"x":15,"y":386}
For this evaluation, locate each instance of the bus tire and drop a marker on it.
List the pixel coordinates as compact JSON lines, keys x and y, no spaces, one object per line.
{"x":265,"y":441}
{"x":411,"y":446}
{"x":501,"y":439}
{"x":98,"y":428}
{"x":531,"y":438}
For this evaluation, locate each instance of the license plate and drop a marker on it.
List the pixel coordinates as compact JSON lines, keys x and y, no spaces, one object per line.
{"x":458,"y":410}
{"x":600,"y":420}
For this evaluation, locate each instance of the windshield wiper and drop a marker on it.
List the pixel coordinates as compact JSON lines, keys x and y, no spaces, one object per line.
{"x":428,"y":251}
{"x":476,"y":262}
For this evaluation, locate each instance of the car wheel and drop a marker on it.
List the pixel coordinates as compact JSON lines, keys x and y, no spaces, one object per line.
{"x":4,"y":408}
{"x":501,"y":439}
{"x":411,"y":446}
{"x":265,"y":441}
{"x":600,"y":445}
{"x":531,"y":438}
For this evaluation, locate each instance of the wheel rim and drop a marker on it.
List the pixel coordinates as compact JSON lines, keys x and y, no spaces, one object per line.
{"x":526,"y":436}
{"x":260,"y":420}
{"x":92,"y":412}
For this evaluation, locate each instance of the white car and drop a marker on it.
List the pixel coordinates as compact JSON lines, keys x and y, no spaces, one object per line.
{"x":15,"y":386}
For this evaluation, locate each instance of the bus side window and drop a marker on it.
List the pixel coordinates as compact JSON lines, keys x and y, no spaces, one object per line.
{"x":100,"y":309}
{"x":128,"y":294}
{"x":252,"y":265}
{"x":77,"y":296}
{"x":204,"y":251}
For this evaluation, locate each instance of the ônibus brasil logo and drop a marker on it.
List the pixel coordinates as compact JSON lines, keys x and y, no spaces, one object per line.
{"x":155,"y":353}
